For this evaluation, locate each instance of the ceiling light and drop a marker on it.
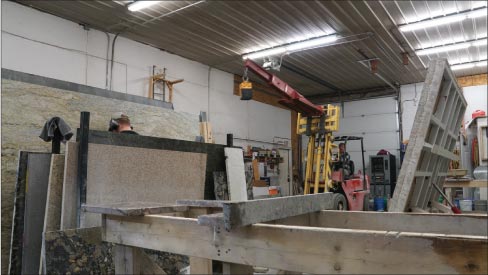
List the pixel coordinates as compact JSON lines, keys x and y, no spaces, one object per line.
{"x":452,"y":47}
{"x":482,"y":63}
{"x":311,"y":43}
{"x":293,"y":47}
{"x":139,"y":5}
{"x":457,"y":17}
{"x":481,"y":42}
{"x":470,"y":65}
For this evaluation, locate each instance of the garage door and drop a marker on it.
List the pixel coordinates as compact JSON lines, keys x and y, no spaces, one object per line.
{"x":376,"y":121}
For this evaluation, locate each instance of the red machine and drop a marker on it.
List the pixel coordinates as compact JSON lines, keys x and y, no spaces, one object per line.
{"x":325,"y":172}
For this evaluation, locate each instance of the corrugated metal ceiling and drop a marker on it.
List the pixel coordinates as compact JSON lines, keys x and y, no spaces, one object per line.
{"x":217,"y":33}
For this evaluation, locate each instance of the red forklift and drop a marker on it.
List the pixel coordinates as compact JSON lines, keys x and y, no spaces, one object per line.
{"x":326,"y":168}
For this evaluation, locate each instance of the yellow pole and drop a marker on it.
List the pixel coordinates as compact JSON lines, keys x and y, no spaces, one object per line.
{"x":309,"y":164}
{"x":317,"y":166}
{"x":327,"y":159}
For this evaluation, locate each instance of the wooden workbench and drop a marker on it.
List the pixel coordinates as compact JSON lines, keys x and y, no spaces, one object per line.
{"x":318,"y":242}
{"x":463,"y":182}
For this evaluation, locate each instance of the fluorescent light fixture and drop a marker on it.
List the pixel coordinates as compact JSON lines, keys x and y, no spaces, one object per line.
{"x":480,"y":42}
{"x":139,"y":5}
{"x":477,"y":13}
{"x":264,"y":53}
{"x":482,"y":63}
{"x":462,"y":66}
{"x":452,"y":47}
{"x":457,"y":17}
{"x":293,"y":47}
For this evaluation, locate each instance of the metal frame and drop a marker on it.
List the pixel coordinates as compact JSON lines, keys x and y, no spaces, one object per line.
{"x":434,"y":135}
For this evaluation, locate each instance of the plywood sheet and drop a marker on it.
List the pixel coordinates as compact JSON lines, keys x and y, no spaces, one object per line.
{"x":35,"y":205}
{"x":129,"y":174}
{"x":236,"y":177}
{"x":432,"y":140}
{"x":52,"y":218}
{"x":69,"y":203}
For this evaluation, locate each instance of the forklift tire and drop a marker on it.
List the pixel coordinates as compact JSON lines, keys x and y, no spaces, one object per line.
{"x":340,"y":202}
{"x":366,"y":203}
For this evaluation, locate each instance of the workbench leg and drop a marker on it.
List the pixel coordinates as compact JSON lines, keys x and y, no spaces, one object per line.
{"x":200,"y":265}
{"x":231,"y":268}
{"x":127,"y":260}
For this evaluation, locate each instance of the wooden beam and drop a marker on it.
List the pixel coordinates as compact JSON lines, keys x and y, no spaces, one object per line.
{"x":465,"y":183}
{"x":473,"y":80}
{"x":242,"y":213}
{"x":472,"y":224}
{"x":305,"y":249}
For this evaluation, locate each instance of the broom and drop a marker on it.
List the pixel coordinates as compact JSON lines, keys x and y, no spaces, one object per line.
{"x":453,"y":207}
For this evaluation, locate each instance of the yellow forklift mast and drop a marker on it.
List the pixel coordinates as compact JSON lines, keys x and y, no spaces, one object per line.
{"x":319,"y":159}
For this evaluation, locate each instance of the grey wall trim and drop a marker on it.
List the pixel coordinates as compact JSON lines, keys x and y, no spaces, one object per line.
{"x":74,"y":87}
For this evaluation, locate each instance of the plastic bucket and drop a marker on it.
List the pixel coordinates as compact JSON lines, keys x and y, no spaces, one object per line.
{"x":466,"y":205}
{"x":379,"y":204}
{"x":456,"y":203}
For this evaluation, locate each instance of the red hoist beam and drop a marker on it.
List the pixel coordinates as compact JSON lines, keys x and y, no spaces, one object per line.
{"x":290,"y":97}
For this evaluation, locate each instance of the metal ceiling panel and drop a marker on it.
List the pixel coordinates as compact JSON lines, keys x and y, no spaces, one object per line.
{"x":218,"y":33}
{"x":403,"y":12}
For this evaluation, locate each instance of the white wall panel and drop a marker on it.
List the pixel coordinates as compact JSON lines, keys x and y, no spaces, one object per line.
{"x":368,"y":124}
{"x":476,"y":96}
{"x":410,"y":95}
{"x":31,"y":23}
{"x":21,"y":55}
{"x":265,"y":123}
{"x":94,"y":77}
{"x":370,"y":107}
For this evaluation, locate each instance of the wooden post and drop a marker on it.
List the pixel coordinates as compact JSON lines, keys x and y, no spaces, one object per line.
{"x":133,"y":260}
{"x":127,"y":260}
{"x":231,"y":268}
{"x":200,"y":266}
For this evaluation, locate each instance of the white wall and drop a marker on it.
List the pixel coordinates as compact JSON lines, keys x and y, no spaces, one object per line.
{"x":46,"y":45}
{"x":410,"y":95}
{"x":476,"y":97}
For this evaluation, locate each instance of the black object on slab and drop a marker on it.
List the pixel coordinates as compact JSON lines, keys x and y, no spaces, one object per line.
{"x":82,"y":137}
{"x":230,"y":140}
